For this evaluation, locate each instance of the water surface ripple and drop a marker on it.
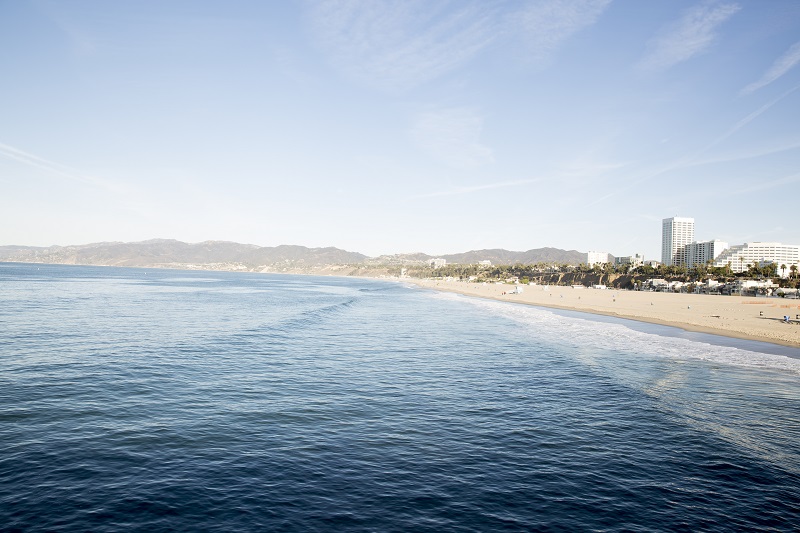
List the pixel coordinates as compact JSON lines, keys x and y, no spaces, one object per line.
{"x":161,"y":400}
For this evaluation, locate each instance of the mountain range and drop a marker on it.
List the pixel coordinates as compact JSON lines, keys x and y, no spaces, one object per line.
{"x":224,"y":255}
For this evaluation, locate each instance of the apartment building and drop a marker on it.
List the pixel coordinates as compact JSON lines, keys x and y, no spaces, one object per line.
{"x":699,"y":253}
{"x":593,"y":258}
{"x":676,"y":234}
{"x":631,"y":261}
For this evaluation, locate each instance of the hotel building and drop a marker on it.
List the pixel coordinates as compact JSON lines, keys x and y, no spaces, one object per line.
{"x":593,"y":258}
{"x":631,"y":261}
{"x":741,"y":256}
{"x":699,"y":253}
{"x":676,"y":233}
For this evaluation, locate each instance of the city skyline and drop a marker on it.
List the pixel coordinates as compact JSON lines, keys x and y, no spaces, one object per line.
{"x":397,"y":127}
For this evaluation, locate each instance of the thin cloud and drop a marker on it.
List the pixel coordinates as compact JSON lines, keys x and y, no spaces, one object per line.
{"x":780,"y":67}
{"x":476,"y":188}
{"x":80,"y":41}
{"x":400,"y":44}
{"x":603,"y":198}
{"x":692,"y":34}
{"x":766,"y":185}
{"x":591,"y":170}
{"x":55,"y":168}
{"x":38,"y":162}
{"x":785,"y":146}
{"x":547,"y":24}
{"x":748,"y":119}
{"x":452,"y":136}
{"x":693,"y":159}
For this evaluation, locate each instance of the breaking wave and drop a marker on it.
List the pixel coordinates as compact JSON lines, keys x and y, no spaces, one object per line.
{"x":619,"y":337}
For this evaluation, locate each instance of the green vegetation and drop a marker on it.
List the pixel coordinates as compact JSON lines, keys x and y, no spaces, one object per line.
{"x":607,"y":274}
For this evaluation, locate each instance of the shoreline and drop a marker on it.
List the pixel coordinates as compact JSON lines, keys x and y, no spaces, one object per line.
{"x":733,"y":317}
{"x":727,"y":316}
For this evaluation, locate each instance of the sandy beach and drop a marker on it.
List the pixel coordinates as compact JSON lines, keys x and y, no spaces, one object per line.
{"x":733,"y":316}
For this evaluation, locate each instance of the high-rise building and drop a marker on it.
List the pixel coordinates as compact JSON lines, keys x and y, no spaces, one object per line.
{"x":676,"y":233}
{"x":700,"y":253}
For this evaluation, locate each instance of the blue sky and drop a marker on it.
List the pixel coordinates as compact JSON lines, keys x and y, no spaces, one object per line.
{"x":386,"y":127}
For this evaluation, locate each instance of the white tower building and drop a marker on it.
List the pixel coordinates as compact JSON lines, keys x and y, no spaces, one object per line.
{"x":676,"y":233}
{"x":699,"y":253}
{"x":592,"y":258}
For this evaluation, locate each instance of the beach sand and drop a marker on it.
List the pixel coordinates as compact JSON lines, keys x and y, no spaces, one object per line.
{"x":732,"y":316}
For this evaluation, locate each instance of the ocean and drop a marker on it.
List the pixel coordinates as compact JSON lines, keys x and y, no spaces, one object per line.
{"x":164,"y":400}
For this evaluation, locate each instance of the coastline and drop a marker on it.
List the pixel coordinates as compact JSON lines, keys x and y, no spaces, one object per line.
{"x":729,"y":316}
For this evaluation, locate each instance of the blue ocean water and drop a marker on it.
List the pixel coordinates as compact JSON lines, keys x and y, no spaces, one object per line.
{"x":149,"y":400}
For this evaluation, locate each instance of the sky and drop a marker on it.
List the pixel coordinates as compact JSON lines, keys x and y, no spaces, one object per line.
{"x":396,"y":127}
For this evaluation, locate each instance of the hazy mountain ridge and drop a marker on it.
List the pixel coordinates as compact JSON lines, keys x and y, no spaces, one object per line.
{"x":226,"y":255}
{"x":499,"y":256}
{"x":163,"y":252}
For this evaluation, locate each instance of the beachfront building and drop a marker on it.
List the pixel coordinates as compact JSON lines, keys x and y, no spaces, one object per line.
{"x":741,"y":256}
{"x":485,"y":263}
{"x":749,"y":287}
{"x":676,"y":233}
{"x":709,"y":286}
{"x":594,"y":258}
{"x":656,"y":284}
{"x":700,"y":253}
{"x":437,"y":263}
{"x":631,"y":261}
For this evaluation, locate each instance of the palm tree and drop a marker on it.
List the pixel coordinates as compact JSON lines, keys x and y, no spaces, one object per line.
{"x":793,"y":268}
{"x":700,"y":271}
{"x":783,"y":269}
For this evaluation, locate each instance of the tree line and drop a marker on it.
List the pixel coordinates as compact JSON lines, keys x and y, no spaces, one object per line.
{"x":534,"y":271}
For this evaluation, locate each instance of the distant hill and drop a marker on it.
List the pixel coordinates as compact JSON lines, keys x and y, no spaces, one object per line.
{"x":506,"y":257}
{"x":172,"y":253}
{"x":497,"y":256}
{"x":401,"y":259}
{"x":224,"y":255}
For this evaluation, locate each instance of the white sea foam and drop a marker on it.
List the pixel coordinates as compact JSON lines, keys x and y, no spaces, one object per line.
{"x":619,"y":337}
{"x":190,"y":280}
